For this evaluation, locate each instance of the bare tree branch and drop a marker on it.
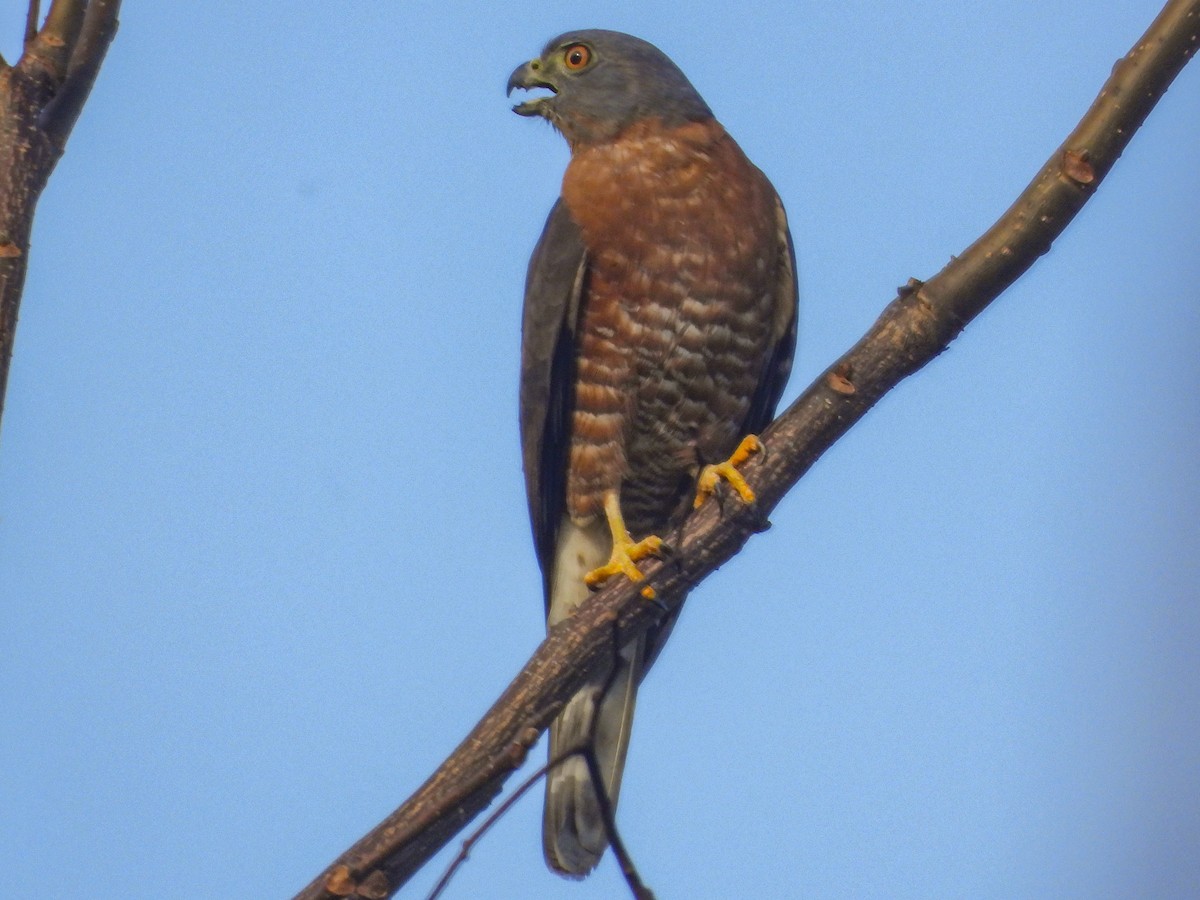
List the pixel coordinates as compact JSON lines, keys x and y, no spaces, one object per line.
{"x":914,"y":328}
{"x":50,"y":49}
{"x":40,"y":100}
{"x":32,"y":17}
{"x":97,"y":32}
{"x":632,"y":877}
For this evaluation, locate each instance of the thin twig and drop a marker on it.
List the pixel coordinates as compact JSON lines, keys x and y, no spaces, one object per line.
{"x":587,"y":751}
{"x":632,"y":878}
{"x":607,"y":813}
{"x":491,"y":820}
{"x":31,"y":20}
{"x":50,"y":47}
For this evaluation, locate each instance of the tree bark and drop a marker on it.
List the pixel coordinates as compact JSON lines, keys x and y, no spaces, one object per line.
{"x":914,"y":328}
{"x":41,"y":97}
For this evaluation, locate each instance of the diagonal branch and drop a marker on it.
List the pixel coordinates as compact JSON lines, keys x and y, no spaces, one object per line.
{"x":912,"y":330}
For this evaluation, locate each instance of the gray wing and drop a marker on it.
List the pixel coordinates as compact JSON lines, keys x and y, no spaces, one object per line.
{"x":779,"y":360}
{"x":553,"y":287}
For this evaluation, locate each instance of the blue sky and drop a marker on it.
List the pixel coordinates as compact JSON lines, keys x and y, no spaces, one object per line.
{"x":263,"y":550}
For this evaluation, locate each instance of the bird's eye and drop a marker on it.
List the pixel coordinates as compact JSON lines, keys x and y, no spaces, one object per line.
{"x":577,"y":56}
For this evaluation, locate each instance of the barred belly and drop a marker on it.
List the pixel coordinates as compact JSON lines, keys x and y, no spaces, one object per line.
{"x":678,"y":311}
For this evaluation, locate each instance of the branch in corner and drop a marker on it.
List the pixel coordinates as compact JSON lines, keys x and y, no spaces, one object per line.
{"x":41,"y":98}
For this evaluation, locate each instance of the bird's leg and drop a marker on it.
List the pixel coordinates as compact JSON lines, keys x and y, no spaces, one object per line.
{"x":711,"y":475}
{"x":625,"y":551}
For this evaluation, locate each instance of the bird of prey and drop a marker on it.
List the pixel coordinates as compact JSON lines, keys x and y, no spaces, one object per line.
{"x":658,"y":331}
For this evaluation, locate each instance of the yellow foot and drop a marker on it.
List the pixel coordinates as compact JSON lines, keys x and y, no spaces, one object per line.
{"x":626,"y":552}
{"x":623,"y":561}
{"x":711,"y":475}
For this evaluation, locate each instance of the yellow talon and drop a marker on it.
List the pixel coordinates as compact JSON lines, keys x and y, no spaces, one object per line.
{"x":711,"y":475}
{"x":625,"y":552}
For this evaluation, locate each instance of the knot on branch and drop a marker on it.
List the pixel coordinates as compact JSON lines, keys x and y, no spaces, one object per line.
{"x":1077,"y":167}
{"x":341,"y":883}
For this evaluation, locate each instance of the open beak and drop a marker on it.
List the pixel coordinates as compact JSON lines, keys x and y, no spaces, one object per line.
{"x":526,"y":77}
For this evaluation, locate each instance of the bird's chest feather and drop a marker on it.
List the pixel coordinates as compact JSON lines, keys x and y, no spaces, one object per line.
{"x":682,"y":247}
{"x":680,"y":232}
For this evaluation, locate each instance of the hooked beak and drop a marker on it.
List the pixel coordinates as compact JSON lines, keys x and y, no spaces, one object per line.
{"x":526,"y":77}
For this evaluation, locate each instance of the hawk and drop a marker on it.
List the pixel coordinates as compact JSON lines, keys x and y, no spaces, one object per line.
{"x":657,"y":335}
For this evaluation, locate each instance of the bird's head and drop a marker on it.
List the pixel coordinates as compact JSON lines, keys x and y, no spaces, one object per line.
{"x":601,"y":82}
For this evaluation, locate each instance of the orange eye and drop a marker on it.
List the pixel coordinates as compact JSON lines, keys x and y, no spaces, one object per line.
{"x":577,"y":56}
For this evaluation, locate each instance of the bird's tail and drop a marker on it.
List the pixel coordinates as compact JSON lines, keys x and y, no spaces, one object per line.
{"x":573,"y":834}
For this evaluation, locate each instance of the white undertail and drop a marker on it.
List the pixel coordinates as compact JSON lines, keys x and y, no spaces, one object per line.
{"x":573,"y":835}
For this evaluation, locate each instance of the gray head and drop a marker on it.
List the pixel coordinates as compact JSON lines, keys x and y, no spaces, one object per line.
{"x":603,"y":82}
